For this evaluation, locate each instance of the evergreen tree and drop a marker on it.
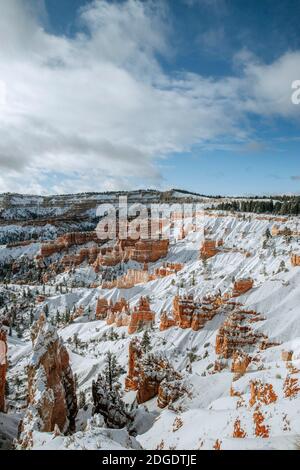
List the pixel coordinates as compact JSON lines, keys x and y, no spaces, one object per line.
{"x":146,"y":342}
{"x":112,"y":370}
{"x":82,"y":400}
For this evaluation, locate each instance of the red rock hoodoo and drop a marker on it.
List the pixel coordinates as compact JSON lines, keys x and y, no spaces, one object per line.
{"x":142,"y":317}
{"x":146,"y":372}
{"x":208,"y":249}
{"x":236,"y":334}
{"x":295,"y":260}
{"x":68,"y":240}
{"x":51,"y":387}
{"x":242,"y":286}
{"x":142,"y":251}
{"x":188,"y":313}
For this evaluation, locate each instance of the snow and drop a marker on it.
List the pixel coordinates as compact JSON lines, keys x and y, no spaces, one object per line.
{"x":208,"y":412}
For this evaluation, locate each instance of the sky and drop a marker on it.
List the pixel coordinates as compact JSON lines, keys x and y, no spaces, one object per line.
{"x":101,"y":95}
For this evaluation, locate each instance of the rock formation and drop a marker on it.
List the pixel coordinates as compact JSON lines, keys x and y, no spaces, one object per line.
{"x":240,"y":362}
{"x":169,"y":392}
{"x":295,"y":260}
{"x":291,"y":387}
{"x":189,"y":313}
{"x":141,"y":276}
{"x":261,"y":430}
{"x":52,"y":401}
{"x":208,"y":249}
{"x":238,"y":432}
{"x":167,"y":269}
{"x":68,"y":240}
{"x":287,"y":355}
{"x":142,"y":251}
{"x":261,"y":393}
{"x":146,"y":372}
{"x":101,"y":309}
{"x":141,"y":317}
{"x":166,"y":322}
{"x":236,"y":335}
{"x":3,"y":367}
{"x":241,"y":286}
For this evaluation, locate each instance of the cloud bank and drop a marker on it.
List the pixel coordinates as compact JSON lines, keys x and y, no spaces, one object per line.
{"x":97,"y":111}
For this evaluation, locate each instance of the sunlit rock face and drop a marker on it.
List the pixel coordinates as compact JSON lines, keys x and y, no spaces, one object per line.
{"x":3,"y":367}
{"x":141,"y":317}
{"x":208,"y":249}
{"x":295,"y":260}
{"x":241,"y":286}
{"x":142,"y":251}
{"x":52,"y":398}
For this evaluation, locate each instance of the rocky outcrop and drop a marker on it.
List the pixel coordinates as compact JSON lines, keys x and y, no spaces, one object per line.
{"x":3,"y":367}
{"x":183,"y":310}
{"x":52,"y":399}
{"x":189,"y":313}
{"x":141,"y":317}
{"x":109,"y":310}
{"x":287,"y":356}
{"x":236,"y":334}
{"x":291,"y":387}
{"x":67,"y":241}
{"x":261,"y":430}
{"x":120,"y":314}
{"x":295,"y":260}
{"x":102,"y":308}
{"x":261,"y":393}
{"x":166,"y":322}
{"x":208,"y":249}
{"x":167,"y":269}
{"x":146,"y":372}
{"x":169,"y":392}
{"x":240,"y":362}
{"x":241,"y":286}
{"x":129,"y":280}
{"x":141,"y":276}
{"x":142,"y":251}
{"x":149,"y":251}
{"x":238,"y":432}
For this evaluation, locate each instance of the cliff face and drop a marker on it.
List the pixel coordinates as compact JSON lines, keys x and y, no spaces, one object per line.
{"x":3,"y":367}
{"x":51,"y":387}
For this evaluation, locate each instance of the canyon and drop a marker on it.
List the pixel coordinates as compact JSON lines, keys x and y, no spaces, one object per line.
{"x":202,"y":328}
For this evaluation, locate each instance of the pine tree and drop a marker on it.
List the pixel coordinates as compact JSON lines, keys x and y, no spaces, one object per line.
{"x":112,"y":370}
{"x":146,"y":342}
{"x":82,"y":400}
{"x":268,"y":233}
{"x":46,"y":310}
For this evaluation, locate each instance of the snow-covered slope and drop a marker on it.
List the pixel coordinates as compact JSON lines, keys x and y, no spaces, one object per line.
{"x":218,"y":401}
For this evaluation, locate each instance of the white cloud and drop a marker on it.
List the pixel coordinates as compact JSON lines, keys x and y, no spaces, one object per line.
{"x":96,"y":111}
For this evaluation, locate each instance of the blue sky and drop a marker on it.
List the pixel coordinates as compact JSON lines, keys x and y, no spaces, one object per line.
{"x":193,"y":94}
